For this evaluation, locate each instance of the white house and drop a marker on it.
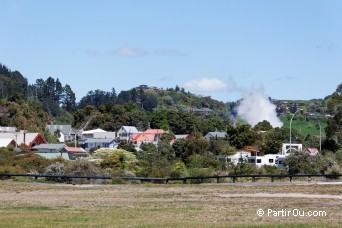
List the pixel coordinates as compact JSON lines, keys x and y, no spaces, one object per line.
{"x":240,"y":156}
{"x":268,"y":159}
{"x":65,"y":132}
{"x":98,"y":134}
{"x":285,"y":149}
{"x":126,"y":132}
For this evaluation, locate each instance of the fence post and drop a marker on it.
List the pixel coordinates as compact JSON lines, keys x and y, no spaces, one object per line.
{"x":253,"y":179}
{"x":234,"y":179}
{"x":217,"y":180}
{"x":290,"y":178}
{"x":184,"y":181}
{"x":272,"y":178}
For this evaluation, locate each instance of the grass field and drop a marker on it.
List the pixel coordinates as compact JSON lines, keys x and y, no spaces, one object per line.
{"x":305,"y":127}
{"x":153,"y":205}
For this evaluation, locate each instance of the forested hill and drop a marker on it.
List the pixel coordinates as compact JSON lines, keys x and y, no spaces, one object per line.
{"x":47,"y":101}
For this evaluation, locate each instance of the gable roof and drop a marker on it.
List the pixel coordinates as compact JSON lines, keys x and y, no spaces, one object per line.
{"x":217,"y":134}
{"x":93,"y":131}
{"x":51,"y":146}
{"x":75,"y":150}
{"x":6,"y":142}
{"x":65,"y":129}
{"x":20,"y":137}
{"x":249,"y":149}
{"x":130,"y":129}
{"x":312,"y":151}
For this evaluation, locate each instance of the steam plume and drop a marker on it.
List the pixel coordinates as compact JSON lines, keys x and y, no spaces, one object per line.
{"x":256,"y":107}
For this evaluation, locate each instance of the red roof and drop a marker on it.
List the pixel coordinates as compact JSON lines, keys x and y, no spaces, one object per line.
{"x":154,"y":131}
{"x":75,"y":150}
{"x":250,"y":149}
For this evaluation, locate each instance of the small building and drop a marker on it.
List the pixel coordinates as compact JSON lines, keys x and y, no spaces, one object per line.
{"x":240,"y":156}
{"x":311,"y":151}
{"x":177,"y":137}
{"x":7,"y":142}
{"x":23,"y":138}
{"x":139,"y":138}
{"x":214,"y":135}
{"x":285,"y":149}
{"x":89,"y":144}
{"x":51,"y":151}
{"x":76,"y":152}
{"x":268,"y":159}
{"x":91,"y":133}
{"x":7,"y":129}
{"x":64,"y":132}
{"x":125,"y":133}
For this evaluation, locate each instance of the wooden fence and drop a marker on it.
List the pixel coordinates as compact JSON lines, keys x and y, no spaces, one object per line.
{"x":200,"y":179}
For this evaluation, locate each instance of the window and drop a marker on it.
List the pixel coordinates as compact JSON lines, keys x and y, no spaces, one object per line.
{"x":251,"y":160}
{"x":280,"y":162}
{"x":258,"y":160}
{"x":270,"y":160}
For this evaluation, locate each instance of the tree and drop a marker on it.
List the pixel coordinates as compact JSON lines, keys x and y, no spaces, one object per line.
{"x":242,"y":136}
{"x":69,"y":99}
{"x":263,"y":126}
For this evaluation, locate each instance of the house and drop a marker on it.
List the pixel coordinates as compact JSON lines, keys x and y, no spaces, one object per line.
{"x":126,"y":132}
{"x":311,"y":151}
{"x":76,"y":152}
{"x":7,"y":129}
{"x":51,"y":151}
{"x":7,"y":142}
{"x":215,"y":135}
{"x":89,"y":144}
{"x":177,"y":137}
{"x":23,"y":138}
{"x":240,"y":156}
{"x":98,"y":134}
{"x":64,"y":132}
{"x":139,"y":138}
{"x":268,"y":159}
{"x":90,"y":134}
{"x":285,"y":149}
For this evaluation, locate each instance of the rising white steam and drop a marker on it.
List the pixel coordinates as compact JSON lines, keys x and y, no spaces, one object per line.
{"x":256,"y":107}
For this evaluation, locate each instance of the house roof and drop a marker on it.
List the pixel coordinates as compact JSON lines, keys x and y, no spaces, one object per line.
{"x":51,"y":146}
{"x":249,"y":149}
{"x":65,"y":129}
{"x":75,"y":150}
{"x":312,"y":151}
{"x":130,"y":129}
{"x":181,"y":136}
{"x":217,"y":134}
{"x":154,"y":131}
{"x":19,"y":137}
{"x":94,"y":140}
{"x":93,"y":131}
{"x":6,"y":142}
{"x":147,"y":137}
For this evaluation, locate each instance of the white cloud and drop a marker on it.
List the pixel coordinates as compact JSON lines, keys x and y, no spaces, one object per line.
{"x":128,"y":52}
{"x":205,"y":84}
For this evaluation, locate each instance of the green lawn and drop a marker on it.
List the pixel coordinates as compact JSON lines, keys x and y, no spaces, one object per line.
{"x":305,"y":127}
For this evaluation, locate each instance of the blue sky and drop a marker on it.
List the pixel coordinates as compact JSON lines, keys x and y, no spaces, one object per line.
{"x":291,"y":49}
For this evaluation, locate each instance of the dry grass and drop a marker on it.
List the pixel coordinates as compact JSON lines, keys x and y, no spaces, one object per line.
{"x":148,"y":205}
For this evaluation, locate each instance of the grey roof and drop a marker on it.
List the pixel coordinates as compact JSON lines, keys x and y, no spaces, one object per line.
{"x":49,"y":146}
{"x":93,"y":140}
{"x":218,"y":134}
{"x":65,"y":129}
{"x":130,"y":129}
